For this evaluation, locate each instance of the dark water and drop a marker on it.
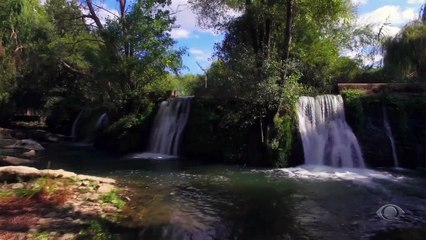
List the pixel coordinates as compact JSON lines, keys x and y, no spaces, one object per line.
{"x":174,"y":199}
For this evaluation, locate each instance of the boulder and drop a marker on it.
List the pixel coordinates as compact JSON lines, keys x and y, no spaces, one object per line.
{"x":23,"y":171}
{"x":29,"y":154}
{"x":15,"y":160}
{"x":27,"y":144}
{"x":105,"y":188}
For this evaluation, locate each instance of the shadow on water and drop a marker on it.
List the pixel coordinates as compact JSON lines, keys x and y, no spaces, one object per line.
{"x":216,"y":204}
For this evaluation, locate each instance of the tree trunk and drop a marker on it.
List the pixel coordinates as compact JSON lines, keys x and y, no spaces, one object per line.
{"x":287,"y":38}
{"x":94,"y":16}
{"x":288,"y":28}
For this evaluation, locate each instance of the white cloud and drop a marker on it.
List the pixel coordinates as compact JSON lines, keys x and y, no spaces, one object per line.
{"x":366,"y":59}
{"x":359,"y":2}
{"x":178,"y":33}
{"x":416,"y":1}
{"x":200,"y":55}
{"x":393,"y":17}
{"x":389,"y":13}
{"x":186,"y":19}
{"x":388,"y":19}
{"x":103,"y":12}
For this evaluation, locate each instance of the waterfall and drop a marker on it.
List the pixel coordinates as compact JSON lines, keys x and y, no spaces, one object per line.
{"x":390,"y":136}
{"x":169,"y":123}
{"x":74,"y":125}
{"x":327,"y":138}
{"x":102,"y":121}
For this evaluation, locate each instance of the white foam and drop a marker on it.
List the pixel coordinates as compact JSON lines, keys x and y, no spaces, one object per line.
{"x":150,"y":155}
{"x":316,"y":172}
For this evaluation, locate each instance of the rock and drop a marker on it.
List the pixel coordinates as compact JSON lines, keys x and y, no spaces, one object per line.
{"x":105,"y":188}
{"x":92,"y":197}
{"x":29,"y":154}
{"x":86,"y":183}
{"x":109,"y":209}
{"x":78,"y":222}
{"x":45,"y":221}
{"x":52,"y":138}
{"x":16,"y":161}
{"x":18,"y":186}
{"x":57,"y":173}
{"x":96,"y":179}
{"x":67,"y":236}
{"x":23,"y":171}
{"x":21,"y":236}
{"x":27,"y":144}
{"x":52,"y":215}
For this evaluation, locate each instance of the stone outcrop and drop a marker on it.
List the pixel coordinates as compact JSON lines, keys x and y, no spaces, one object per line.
{"x":30,"y":172}
{"x":60,"y":205}
{"x":15,"y":160}
{"x":27,"y":144}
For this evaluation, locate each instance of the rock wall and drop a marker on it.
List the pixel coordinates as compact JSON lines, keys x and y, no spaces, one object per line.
{"x":407,"y":120}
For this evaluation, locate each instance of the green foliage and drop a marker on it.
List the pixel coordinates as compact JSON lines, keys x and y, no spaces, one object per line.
{"x":285,"y":121}
{"x":95,"y":231}
{"x":353,"y":94}
{"x":354,"y":99}
{"x":136,"y":119}
{"x":5,"y":194}
{"x":56,"y":61}
{"x":27,"y":192}
{"x":41,"y":236}
{"x":282,"y":143}
{"x":405,"y":54}
{"x":187,"y":84}
{"x":113,"y":198}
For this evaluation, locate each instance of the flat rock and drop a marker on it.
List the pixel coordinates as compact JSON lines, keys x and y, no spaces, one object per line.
{"x":67,"y":236}
{"x":105,"y":188}
{"x":27,"y":144}
{"x":96,"y":179}
{"x":18,"y":186}
{"x":16,"y":160}
{"x":29,"y":154}
{"x":24,"y":171}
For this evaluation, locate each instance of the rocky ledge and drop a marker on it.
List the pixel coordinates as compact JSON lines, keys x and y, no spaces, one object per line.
{"x":55,"y":204}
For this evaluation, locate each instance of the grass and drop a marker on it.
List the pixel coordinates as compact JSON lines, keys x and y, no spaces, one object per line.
{"x":113,"y":198}
{"x":41,"y":236}
{"x":47,"y":190}
{"x":95,"y":231}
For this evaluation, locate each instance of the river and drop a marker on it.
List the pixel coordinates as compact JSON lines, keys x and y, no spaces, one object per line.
{"x":177,"y":199}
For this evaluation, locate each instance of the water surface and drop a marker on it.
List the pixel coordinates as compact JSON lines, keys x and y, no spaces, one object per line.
{"x":175,"y":199}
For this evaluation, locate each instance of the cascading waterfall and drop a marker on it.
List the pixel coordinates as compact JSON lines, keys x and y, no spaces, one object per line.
{"x":102,"y":121}
{"x":390,"y":136}
{"x":74,"y":125}
{"x":169,"y":124}
{"x":326,"y":136}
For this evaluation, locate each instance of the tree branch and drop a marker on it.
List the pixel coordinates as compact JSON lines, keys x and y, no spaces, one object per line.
{"x":94,"y":16}
{"x":72,"y":69}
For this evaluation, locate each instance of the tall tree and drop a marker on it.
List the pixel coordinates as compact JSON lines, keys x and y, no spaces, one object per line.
{"x":405,"y":54}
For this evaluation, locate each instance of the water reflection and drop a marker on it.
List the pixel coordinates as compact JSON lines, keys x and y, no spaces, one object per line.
{"x":178,"y":200}
{"x":228,"y":206}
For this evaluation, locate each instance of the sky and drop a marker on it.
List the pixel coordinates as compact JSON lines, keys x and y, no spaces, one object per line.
{"x":200,"y":42}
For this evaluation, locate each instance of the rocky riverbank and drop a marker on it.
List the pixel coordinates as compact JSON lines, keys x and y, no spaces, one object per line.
{"x":56,"y":204}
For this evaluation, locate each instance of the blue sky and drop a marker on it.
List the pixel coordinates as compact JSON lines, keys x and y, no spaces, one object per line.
{"x":200,"y":42}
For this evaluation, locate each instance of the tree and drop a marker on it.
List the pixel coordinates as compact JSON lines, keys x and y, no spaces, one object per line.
{"x":405,"y":54}
{"x":268,"y":47}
